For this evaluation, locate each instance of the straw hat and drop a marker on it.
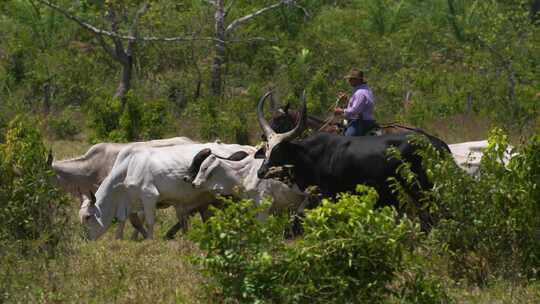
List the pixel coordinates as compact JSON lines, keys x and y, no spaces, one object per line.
{"x":355,"y":73}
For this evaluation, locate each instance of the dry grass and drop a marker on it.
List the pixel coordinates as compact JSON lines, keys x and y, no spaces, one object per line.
{"x":106,"y":271}
{"x":500,"y":293}
{"x":460,"y":128}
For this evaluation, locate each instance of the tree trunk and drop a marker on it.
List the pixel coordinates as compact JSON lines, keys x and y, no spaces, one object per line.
{"x":219,"y":56}
{"x":46,"y":99}
{"x":125,"y":82}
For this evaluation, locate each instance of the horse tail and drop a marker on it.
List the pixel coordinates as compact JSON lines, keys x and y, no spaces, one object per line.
{"x":435,"y":141}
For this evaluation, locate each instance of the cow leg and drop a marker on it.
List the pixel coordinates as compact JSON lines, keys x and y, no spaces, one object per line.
{"x":149,"y":204}
{"x":137,"y":222}
{"x":120,"y":230}
{"x":298,"y":218}
{"x":174,"y":229}
{"x":205,"y":213}
{"x":181,"y":224}
{"x":262,"y":215}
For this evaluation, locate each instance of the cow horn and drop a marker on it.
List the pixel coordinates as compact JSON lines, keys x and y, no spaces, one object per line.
{"x":92,"y":198}
{"x":299,"y":126}
{"x":262,"y":121}
{"x":50,"y":158}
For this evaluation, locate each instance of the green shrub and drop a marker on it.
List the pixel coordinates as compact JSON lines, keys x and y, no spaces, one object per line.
{"x":208,"y":116}
{"x":63,"y":126}
{"x":349,"y":253}
{"x":418,"y":288}
{"x":137,"y":121}
{"x":104,"y":114}
{"x":3,"y":125}
{"x":319,"y":94}
{"x":241,"y":251}
{"x":145,"y":120}
{"x":156,"y":119}
{"x":130,"y":124}
{"x":31,"y":208}
{"x":489,"y":224}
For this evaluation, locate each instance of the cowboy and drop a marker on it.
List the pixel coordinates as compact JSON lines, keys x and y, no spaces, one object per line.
{"x":359,"y":111}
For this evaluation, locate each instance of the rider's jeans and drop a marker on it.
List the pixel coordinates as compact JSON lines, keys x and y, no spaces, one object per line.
{"x":358,"y":127}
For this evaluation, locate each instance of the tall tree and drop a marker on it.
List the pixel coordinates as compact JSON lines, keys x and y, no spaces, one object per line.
{"x":223,"y":32}
{"x":120,"y":51}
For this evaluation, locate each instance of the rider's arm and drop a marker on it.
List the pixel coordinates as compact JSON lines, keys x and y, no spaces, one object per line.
{"x":356,"y":105}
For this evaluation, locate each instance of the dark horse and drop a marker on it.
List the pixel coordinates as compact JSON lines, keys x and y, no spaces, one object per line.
{"x":284,"y":119}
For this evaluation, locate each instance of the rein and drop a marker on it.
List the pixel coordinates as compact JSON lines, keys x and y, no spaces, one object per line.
{"x":329,"y":119}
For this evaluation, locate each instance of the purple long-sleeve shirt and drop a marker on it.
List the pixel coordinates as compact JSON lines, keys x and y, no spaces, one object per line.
{"x":360,"y":104}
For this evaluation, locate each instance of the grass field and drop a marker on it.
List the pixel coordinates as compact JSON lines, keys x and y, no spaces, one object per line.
{"x":159,"y":271}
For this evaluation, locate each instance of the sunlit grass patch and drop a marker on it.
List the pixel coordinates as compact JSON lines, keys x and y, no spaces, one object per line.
{"x":500,"y":292}
{"x":128,"y":272}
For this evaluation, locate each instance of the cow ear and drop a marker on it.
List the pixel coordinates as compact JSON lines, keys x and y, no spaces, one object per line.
{"x":50,"y":158}
{"x":286,"y":107}
{"x":261,"y":153}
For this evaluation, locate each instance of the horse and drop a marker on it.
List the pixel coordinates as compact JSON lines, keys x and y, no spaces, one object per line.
{"x":284,"y":119}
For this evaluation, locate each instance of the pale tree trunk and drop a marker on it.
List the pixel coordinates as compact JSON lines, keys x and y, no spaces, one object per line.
{"x":125,"y":82}
{"x":219,"y":56}
{"x":222,"y":34}
{"x":123,"y":55}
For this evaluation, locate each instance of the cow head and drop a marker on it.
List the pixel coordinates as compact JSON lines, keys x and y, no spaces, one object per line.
{"x":196,"y":164}
{"x":276,"y":150}
{"x":87,"y":215}
{"x":205,"y":172}
{"x":282,"y":120}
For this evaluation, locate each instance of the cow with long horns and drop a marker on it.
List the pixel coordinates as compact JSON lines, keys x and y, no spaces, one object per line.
{"x":338,"y":163}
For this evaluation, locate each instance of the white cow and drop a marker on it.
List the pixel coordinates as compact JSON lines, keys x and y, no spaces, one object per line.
{"x":226,"y":177}
{"x":468,"y":155}
{"x":82,"y":175}
{"x":143,"y":177}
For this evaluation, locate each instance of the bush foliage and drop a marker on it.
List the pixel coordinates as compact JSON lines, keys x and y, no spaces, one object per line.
{"x":31,"y":207}
{"x":486,"y":228}
{"x":489,"y":224}
{"x":63,"y":126}
{"x":350,"y":252}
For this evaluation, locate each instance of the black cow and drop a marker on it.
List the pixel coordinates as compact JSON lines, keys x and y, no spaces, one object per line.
{"x":338,"y":163}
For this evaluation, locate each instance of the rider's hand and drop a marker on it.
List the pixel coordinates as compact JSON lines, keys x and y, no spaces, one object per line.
{"x":338,"y":111}
{"x":342,"y":96}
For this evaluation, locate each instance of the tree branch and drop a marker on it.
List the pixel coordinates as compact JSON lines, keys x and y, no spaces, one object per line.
{"x":141,"y":11}
{"x":107,"y":47}
{"x":304,"y":10}
{"x":229,"y":7}
{"x":236,"y":23}
{"x":102,"y":32}
{"x":118,"y":46}
{"x":252,"y":39}
{"x":211,"y":2}
{"x":133,"y":29}
{"x":82,"y":23}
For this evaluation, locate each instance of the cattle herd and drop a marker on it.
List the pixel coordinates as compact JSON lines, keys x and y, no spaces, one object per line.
{"x":129,"y":181}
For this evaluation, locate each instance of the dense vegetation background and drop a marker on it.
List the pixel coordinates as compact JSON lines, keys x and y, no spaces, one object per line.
{"x":73,"y":73}
{"x":126,"y":70}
